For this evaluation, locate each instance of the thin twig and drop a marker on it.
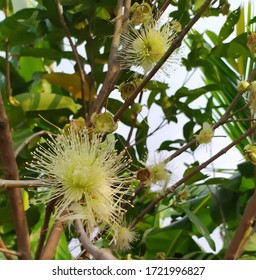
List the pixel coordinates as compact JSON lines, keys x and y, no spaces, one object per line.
{"x":191,"y":174}
{"x":20,"y":184}
{"x":10,"y":252}
{"x":80,"y":67}
{"x":220,"y":122}
{"x":97,"y":253}
{"x":175,"y":45}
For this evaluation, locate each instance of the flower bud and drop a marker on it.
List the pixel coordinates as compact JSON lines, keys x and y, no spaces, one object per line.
{"x":126,"y":89}
{"x":103,"y":123}
{"x":225,"y":9}
{"x":143,"y":175}
{"x":141,"y":13}
{"x":75,"y":124}
{"x":136,"y":108}
{"x":250,"y":153}
{"x":243,"y":86}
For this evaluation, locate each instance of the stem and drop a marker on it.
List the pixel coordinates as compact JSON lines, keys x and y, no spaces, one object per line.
{"x":15,"y":184}
{"x":248,"y":217}
{"x":10,"y":171}
{"x":4,"y":249}
{"x":191,"y":174}
{"x":81,"y":71}
{"x":113,"y":65}
{"x":97,"y":253}
{"x":52,"y":241}
{"x":175,"y":45}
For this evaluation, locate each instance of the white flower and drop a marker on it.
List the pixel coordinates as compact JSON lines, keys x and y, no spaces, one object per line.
{"x":85,"y":174}
{"x":205,"y":135}
{"x":144,"y":47}
{"x":155,"y":172}
{"x":123,"y":237}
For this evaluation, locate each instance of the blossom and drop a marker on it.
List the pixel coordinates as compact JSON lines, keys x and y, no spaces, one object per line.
{"x":205,"y":135}
{"x":85,"y":175}
{"x":144,"y":47}
{"x":155,"y":172}
{"x":123,"y":237}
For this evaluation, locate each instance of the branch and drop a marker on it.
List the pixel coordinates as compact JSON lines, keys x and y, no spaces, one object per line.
{"x":53,"y":241}
{"x":10,"y":171}
{"x":113,"y":65}
{"x":4,"y":249}
{"x":9,"y":252}
{"x":246,"y":222}
{"x":191,"y":174}
{"x":220,"y":122}
{"x":97,"y":253}
{"x":15,"y":184}
{"x":175,"y":45}
{"x":81,"y":71}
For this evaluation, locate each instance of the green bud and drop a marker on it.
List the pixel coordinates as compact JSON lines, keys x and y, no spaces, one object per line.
{"x":141,"y":13}
{"x":250,"y":153}
{"x":243,"y":86}
{"x":103,"y":123}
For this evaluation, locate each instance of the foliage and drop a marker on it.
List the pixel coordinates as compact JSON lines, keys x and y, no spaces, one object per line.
{"x":40,"y":100}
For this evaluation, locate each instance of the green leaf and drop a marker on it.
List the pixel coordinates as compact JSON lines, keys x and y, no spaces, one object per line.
{"x":62,"y":251}
{"x":247,"y":184}
{"x":188,"y":130}
{"x":228,"y":26}
{"x":202,"y":229}
{"x":197,"y":177}
{"x":246,"y":169}
{"x":224,"y":206}
{"x":16,"y":32}
{"x":45,"y":101}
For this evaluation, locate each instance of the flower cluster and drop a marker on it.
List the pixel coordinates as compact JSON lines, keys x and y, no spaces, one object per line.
{"x":85,"y":175}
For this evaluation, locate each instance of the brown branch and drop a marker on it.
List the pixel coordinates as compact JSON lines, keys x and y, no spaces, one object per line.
{"x":245,"y":224}
{"x":175,"y":45}
{"x":4,"y":249}
{"x":81,"y":71}
{"x":10,"y":171}
{"x":44,"y":229}
{"x":53,"y":241}
{"x":191,"y":174}
{"x":20,"y":184}
{"x":113,"y":65}
{"x":97,"y":253}
{"x":9,"y":253}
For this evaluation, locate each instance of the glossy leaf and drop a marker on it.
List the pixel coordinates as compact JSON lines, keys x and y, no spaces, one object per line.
{"x":45,"y":101}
